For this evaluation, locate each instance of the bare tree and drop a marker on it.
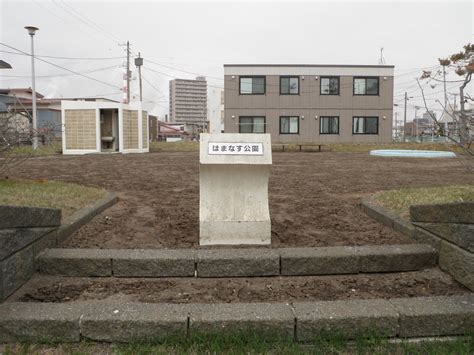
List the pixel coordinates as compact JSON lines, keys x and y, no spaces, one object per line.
{"x":16,"y":131}
{"x":462,"y":64}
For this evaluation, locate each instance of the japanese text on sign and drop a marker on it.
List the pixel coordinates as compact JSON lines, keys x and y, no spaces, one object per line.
{"x":235,"y":148}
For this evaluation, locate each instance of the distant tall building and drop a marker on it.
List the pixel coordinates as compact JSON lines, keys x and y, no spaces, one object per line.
{"x":188,"y":101}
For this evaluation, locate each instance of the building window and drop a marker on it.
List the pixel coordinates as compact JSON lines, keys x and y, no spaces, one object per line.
{"x":251,"y":124}
{"x":330,"y":85}
{"x":289,"y":85}
{"x":329,"y":125}
{"x":289,"y":125}
{"x":252,"y":85}
{"x":366,"y":86}
{"x":365,"y":125}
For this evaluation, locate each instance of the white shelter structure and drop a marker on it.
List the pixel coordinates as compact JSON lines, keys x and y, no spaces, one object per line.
{"x":103,"y":126}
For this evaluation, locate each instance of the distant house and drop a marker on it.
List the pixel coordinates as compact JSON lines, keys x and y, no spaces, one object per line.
{"x":153,"y":128}
{"x":15,"y":105}
{"x":172,"y":132}
{"x":19,"y":100}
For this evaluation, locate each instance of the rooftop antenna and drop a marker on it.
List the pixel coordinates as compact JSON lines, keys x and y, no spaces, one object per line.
{"x":381,"y":59}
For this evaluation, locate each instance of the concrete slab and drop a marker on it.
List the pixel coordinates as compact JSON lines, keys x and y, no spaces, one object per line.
{"x":319,"y":261}
{"x":154,"y":263}
{"x":13,"y":240}
{"x":29,"y":217}
{"x":39,"y":322}
{"x":459,"y":263}
{"x":237,"y":262}
{"x":75,"y":262}
{"x":425,"y":237}
{"x":269,"y":320}
{"x":396,"y":258}
{"x":16,"y":270}
{"x":378,"y":213}
{"x":349,"y":318}
{"x":403,"y":226}
{"x":127,"y":322}
{"x":457,"y":233}
{"x":84,"y":215}
{"x":456,"y":212}
{"x":433,"y":316}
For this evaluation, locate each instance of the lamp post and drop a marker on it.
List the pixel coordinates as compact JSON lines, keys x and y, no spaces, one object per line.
{"x":31,"y":31}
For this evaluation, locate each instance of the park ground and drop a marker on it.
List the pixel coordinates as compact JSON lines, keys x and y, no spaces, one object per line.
{"x":314,"y":197}
{"x":314,"y":201}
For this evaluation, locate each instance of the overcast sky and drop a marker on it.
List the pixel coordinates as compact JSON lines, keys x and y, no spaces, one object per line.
{"x":182,"y":39}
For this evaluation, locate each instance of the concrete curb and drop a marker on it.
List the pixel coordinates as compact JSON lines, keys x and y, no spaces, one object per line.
{"x":386,"y":217}
{"x":18,"y":268}
{"x":235,"y":262}
{"x":304,"y":321}
{"x":81,"y":217}
{"x":453,"y":242}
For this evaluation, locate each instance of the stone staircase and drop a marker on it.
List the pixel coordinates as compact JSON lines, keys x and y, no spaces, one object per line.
{"x":301,"y":320}
{"x":235,"y":262}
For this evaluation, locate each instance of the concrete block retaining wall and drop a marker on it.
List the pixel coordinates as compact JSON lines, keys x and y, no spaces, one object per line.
{"x":449,"y":228}
{"x":301,"y":321}
{"x":26,"y":231}
{"x":235,"y":262}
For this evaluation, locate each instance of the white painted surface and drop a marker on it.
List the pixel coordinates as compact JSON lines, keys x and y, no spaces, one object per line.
{"x":97,"y":105}
{"x":230,"y":148}
{"x":233,"y":203}
{"x":235,"y":138}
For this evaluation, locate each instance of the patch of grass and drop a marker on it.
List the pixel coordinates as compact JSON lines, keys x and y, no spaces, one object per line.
{"x":174,"y":146}
{"x":43,"y":150}
{"x":399,"y":201}
{"x":238,"y":344}
{"x":43,"y":193}
{"x":362,"y":147}
{"x":335,"y":147}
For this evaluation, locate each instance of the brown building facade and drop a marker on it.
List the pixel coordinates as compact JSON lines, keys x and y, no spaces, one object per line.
{"x":310,"y":103}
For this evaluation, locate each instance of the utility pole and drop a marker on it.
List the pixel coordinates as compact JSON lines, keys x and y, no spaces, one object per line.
{"x":397,"y":131}
{"x":405,"y":118}
{"x":31,"y":31}
{"x":445,"y":93}
{"x":128,"y":72}
{"x":416,"y":117}
{"x":138,"y":64}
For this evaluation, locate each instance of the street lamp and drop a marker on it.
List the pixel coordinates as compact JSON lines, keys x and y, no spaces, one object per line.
{"x":31,"y":31}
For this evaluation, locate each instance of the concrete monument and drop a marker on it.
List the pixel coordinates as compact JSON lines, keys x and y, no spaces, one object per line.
{"x":233,"y":187}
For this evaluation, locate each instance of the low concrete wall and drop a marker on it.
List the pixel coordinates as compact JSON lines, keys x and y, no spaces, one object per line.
{"x":235,"y":262}
{"x":31,"y":230}
{"x":22,"y":230}
{"x":448,"y":228}
{"x":453,"y":225}
{"x":300,"y":321}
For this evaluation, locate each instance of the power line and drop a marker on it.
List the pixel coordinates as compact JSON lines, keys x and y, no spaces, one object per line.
{"x":60,"y":75}
{"x":109,"y":34}
{"x":71,"y":58}
{"x":77,"y":17}
{"x":58,"y":66}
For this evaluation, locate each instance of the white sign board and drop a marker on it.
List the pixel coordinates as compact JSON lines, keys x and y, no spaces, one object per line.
{"x":220,"y":148}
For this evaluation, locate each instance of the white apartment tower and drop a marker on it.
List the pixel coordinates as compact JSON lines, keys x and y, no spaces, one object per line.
{"x":188,"y":101}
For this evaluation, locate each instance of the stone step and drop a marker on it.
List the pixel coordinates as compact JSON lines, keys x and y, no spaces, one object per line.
{"x":235,"y":262}
{"x":300,"y":321}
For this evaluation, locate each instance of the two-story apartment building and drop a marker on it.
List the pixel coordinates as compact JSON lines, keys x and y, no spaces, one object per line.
{"x":310,"y":103}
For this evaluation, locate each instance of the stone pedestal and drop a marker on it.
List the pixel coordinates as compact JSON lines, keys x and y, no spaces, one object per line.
{"x":233,"y":204}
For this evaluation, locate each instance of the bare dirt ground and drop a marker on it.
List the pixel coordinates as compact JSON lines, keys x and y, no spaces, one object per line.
{"x":428,"y":282}
{"x":314,"y":197}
